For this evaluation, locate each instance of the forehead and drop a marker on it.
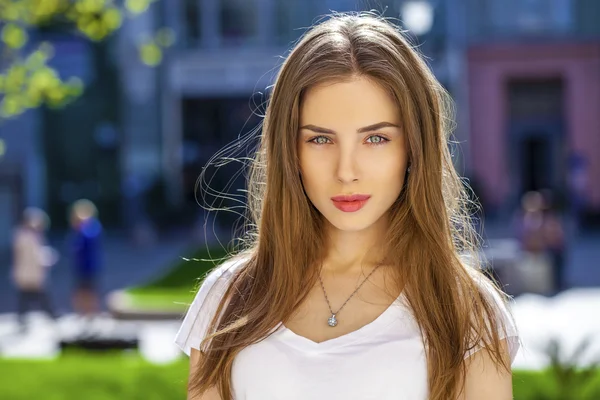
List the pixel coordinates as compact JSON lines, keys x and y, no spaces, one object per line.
{"x":348,"y":104}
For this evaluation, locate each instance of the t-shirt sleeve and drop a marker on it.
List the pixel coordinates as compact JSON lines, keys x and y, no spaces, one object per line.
{"x":201,"y":312}
{"x":506,"y":324}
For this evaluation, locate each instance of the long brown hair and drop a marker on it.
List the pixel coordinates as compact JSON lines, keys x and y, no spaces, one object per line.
{"x":431,"y":239}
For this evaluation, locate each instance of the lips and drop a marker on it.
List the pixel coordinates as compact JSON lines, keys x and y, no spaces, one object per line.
{"x":350,"y":203}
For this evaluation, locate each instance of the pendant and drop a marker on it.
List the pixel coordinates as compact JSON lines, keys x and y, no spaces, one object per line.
{"x":332,"y":321}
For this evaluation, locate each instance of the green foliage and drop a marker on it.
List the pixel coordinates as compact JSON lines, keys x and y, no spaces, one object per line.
{"x":568,"y":376}
{"x":573,"y":381}
{"x":535,"y":385}
{"x":30,"y":82}
{"x":26,"y":79}
{"x":151,"y":50}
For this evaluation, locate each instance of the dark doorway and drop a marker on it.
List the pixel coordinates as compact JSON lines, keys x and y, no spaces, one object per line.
{"x":535,"y":166}
{"x":537,"y":137}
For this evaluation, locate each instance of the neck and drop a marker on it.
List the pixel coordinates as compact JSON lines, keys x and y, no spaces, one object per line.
{"x":349,"y":251}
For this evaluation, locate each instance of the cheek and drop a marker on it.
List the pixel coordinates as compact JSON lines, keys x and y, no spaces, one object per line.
{"x":307,"y":172}
{"x":310,"y":177}
{"x":395,"y":166}
{"x":394,"y":177}
{"x":387,"y":165}
{"x":313,"y":168}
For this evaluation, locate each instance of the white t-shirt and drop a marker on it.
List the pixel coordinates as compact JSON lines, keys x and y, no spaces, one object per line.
{"x":384,"y":360}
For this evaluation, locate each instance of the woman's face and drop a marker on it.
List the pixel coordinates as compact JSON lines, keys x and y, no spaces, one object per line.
{"x":350,"y":144}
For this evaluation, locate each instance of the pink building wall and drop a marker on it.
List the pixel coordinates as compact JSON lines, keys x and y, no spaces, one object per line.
{"x":489,"y":69}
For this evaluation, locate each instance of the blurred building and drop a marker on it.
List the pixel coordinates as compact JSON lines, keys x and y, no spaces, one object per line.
{"x":525,"y":75}
{"x":534,"y":96}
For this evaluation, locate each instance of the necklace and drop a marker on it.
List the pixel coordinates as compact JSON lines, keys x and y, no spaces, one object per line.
{"x":332,"y":321}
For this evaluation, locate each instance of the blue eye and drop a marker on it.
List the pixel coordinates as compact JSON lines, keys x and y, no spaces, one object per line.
{"x":376,"y":139}
{"x":371,"y":140}
{"x":320,"y":140}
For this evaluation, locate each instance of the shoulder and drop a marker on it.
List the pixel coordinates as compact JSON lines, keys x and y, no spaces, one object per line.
{"x":488,"y":289}
{"x":222,"y":274}
{"x":217,"y":281}
{"x":501,"y":311}
{"x":196,"y":322}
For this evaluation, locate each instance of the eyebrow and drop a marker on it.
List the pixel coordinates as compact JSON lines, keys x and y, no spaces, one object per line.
{"x":369,"y":128}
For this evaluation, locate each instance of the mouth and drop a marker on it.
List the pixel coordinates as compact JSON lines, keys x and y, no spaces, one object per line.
{"x":350,"y":203}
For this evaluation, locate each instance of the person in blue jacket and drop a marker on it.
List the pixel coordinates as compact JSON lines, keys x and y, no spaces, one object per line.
{"x":86,"y":253}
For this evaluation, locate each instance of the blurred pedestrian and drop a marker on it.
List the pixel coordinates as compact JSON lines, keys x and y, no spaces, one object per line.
{"x":554,"y":238}
{"x":530,"y":223}
{"x":535,"y":264}
{"x":31,"y":261}
{"x":86,"y":257}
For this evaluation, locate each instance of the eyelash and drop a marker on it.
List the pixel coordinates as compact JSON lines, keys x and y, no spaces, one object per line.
{"x":384,"y":140}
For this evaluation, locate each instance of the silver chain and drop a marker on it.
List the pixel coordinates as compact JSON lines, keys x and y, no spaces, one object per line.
{"x":353,"y":293}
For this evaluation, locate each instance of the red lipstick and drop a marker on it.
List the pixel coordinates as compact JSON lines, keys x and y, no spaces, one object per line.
{"x":350,"y":203}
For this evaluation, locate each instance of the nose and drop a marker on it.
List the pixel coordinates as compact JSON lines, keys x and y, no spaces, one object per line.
{"x":347,"y":169}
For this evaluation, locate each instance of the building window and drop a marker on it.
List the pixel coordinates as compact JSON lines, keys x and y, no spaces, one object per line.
{"x":530,"y":16}
{"x":238,"y":21}
{"x":191,"y":15}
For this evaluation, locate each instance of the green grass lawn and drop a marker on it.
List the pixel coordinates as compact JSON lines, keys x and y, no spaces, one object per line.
{"x":175,"y":290}
{"x":169,"y":299}
{"x":93,"y":376}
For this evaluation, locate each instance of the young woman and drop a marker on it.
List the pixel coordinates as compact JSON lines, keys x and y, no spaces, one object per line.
{"x":363,"y":279}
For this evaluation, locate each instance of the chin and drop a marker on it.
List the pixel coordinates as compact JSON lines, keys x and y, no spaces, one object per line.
{"x":351,"y":223}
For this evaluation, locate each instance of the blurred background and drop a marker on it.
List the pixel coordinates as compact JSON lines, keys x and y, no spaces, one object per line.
{"x":111,"y":109}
